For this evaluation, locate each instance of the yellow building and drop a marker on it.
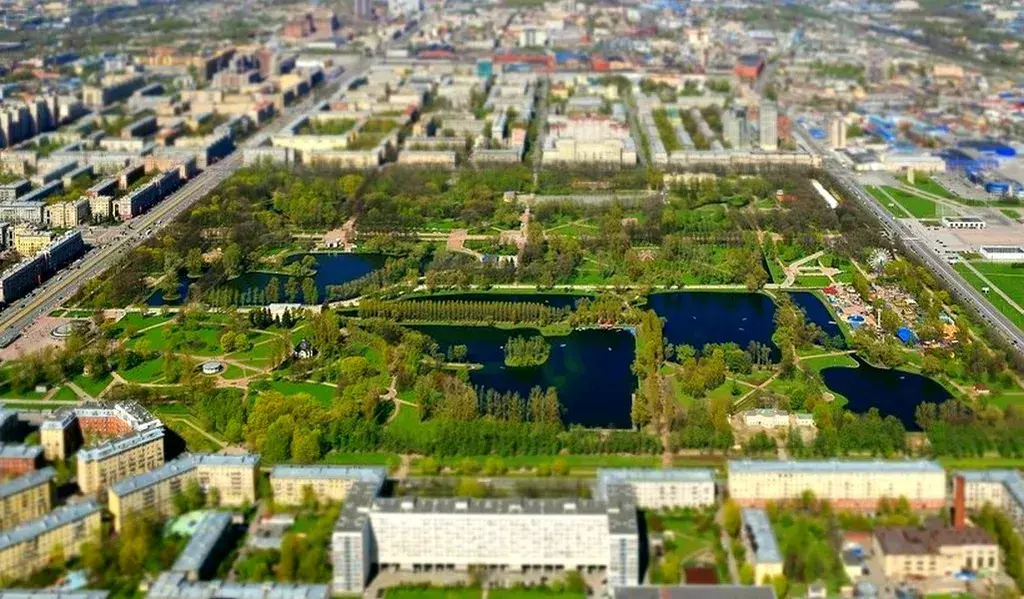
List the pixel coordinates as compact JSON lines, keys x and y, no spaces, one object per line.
{"x":29,"y":241}
{"x":846,"y":484}
{"x":939,"y":551}
{"x":327,"y":483}
{"x":31,"y":546}
{"x":763,"y":554}
{"x":27,"y":497}
{"x":102,"y":465}
{"x":233,"y":477}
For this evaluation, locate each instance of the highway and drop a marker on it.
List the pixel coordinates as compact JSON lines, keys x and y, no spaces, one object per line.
{"x":67,"y":282}
{"x":915,"y":246}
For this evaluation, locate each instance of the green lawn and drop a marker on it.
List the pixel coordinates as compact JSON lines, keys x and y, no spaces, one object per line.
{"x":981,"y":463}
{"x":408,"y":418}
{"x":65,"y":394}
{"x":233,"y":373}
{"x":147,"y":372}
{"x":820,"y":363}
{"x":995,"y":299}
{"x":194,"y":441}
{"x":1010,"y":213}
{"x":140,"y":321}
{"x":1009,"y":277}
{"x":531,"y":593}
{"x":816,"y":281}
{"x":260,"y":356}
{"x":92,"y":386}
{"x":322,"y":393}
{"x":419,"y":592}
{"x":361,"y":459}
{"x":916,"y":205}
{"x":925,"y":184}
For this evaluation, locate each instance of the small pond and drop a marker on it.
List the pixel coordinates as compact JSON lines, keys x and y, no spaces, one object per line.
{"x":698,"y":318}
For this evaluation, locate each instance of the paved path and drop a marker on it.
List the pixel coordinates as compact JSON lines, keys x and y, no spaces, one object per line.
{"x":202,"y":432}
{"x":794,"y":268}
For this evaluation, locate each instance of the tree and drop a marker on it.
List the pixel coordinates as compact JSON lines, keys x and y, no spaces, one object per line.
{"x":232,"y":260}
{"x":194,"y":263}
{"x":310,"y":294}
{"x":732,"y":518}
{"x":277,"y":444}
{"x":306,"y":446}
{"x":862,"y":286}
{"x":747,"y":574}
{"x":889,"y":321}
{"x":470,"y":487}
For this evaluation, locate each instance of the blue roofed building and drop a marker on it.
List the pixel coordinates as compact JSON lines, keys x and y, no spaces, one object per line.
{"x":764,"y":552}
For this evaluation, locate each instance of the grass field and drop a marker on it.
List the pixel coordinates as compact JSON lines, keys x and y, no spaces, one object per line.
{"x":194,"y":441}
{"x":65,"y":394}
{"x":995,"y":299}
{"x":361,"y":459}
{"x":927,"y":185}
{"x":1010,"y":213}
{"x":816,"y":281}
{"x":92,"y":386}
{"x":532,"y":593}
{"x":820,"y":363}
{"x":1009,"y":278}
{"x":322,"y":393}
{"x":408,"y":418}
{"x":149,"y":371}
{"x":981,"y":463}
{"x":420,"y":592}
{"x":916,"y":205}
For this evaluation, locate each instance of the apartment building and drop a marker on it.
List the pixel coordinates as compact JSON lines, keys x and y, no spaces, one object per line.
{"x":26,"y":498}
{"x":855,"y":484}
{"x":1004,"y":489}
{"x":233,"y":476}
{"x":29,"y":546}
{"x":507,"y":534}
{"x":61,"y":433}
{"x":209,"y":540}
{"x":17,"y":459}
{"x":102,"y":465}
{"x":935,"y":551}
{"x":764,"y":552}
{"x":661,"y":489}
{"x":327,"y":483}
{"x":174,"y":585}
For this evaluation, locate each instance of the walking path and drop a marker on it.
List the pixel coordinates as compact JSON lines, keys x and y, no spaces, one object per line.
{"x":992,"y":286}
{"x":794,"y":268}
{"x":202,"y":432}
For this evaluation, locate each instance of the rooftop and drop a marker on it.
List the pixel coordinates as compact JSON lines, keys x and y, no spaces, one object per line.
{"x":925,"y":541}
{"x":113,"y":447}
{"x":766,"y":549}
{"x":173,"y":585}
{"x":1010,"y":479}
{"x":208,"y":533}
{"x":10,"y":451}
{"x":181,"y":465}
{"x":362,"y":473}
{"x":694,"y":591}
{"x":57,"y":518}
{"x":27,"y":481}
{"x":874,"y":466}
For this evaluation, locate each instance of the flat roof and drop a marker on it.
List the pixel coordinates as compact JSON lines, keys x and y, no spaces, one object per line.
{"x":364,"y":473}
{"x":182,"y":464}
{"x":112,"y":447}
{"x":55,"y":519}
{"x":27,"y":481}
{"x":208,"y":533}
{"x":173,"y":585}
{"x":766,"y":549}
{"x":12,"y":451}
{"x":1010,"y":479}
{"x":694,"y":591}
{"x":819,"y":466}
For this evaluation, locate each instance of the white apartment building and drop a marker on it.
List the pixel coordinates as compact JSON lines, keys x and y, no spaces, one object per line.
{"x":418,"y":534}
{"x":854,"y":484}
{"x":1004,"y":489}
{"x":590,"y":139}
{"x":661,"y":489}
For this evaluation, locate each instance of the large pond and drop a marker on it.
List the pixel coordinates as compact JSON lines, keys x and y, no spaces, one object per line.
{"x":331,"y":269}
{"x":590,"y":369}
{"x":893,"y":392}
{"x":555,"y":300}
{"x":697,"y":318}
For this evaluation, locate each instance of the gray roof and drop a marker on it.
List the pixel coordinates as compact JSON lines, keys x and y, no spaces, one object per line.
{"x":52,"y":594}
{"x":57,"y":518}
{"x":462,"y":505}
{"x":208,"y":533}
{"x":181,"y":465}
{"x":356,"y":473}
{"x":607,"y":477}
{"x":113,"y":447}
{"x":27,"y":481}
{"x":354,"y":513}
{"x":694,"y":591}
{"x":11,"y":451}
{"x":173,"y":585}
{"x":762,"y":536}
{"x":1010,"y":479}
{"x":819,"y":466}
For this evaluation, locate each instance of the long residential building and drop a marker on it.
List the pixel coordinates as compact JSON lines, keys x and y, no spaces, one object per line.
{"x":17,"y":458}
{"x":661,"y":489}
{"x":232,"y":476}
{"x":175,"y":585}
{"x":61,"y":433}
{"x":102,"y":465}
{"x":855,"y":484}
{"x":326,"y":483}
{"x":1004,"y":489}
{"x":764,"y":554}
{"x":28,"y":547}
{"x":26,"y":498}
{"x":519,"y":535}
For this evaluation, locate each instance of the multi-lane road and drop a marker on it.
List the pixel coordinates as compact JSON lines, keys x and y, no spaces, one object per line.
{"x":919,"y":249}
{"x":53,"y":292}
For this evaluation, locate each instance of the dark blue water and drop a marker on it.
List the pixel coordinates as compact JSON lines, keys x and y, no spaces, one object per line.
{"x":818,"y":313}
{"x":697,"y":318}
{"x":156,"y":299}
{"x":555,"y":300}
{"x":331,"y":269}
{"x":893,"y":392}
{"x":590,"y":369}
